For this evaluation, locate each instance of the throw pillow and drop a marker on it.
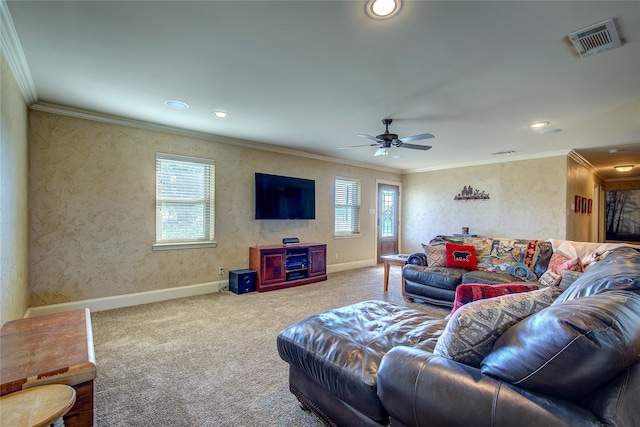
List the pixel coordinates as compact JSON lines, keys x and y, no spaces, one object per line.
{"x":521,"y":270}
{"x":474,"y":328}
{"x":570,"y":348}
{"x":556,"y":261}
{"x":549,"y":278}
{"x":461,"y":256}
{"x":470,"y":292}
{"x":572,"y":265}
{"x":531,"y":254}
{"x":436,"y":255}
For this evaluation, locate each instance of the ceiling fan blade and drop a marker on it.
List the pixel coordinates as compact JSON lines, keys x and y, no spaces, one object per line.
{"x":417,"y":137}
{"x":416,"y":147}
{"x":364,"y":135}
{"x":356,"y":146}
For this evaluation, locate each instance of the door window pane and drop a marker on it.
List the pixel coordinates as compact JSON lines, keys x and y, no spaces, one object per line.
{"x":388,"y":213}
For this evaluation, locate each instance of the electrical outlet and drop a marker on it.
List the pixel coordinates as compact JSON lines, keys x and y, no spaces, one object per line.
{"x":221,"y":270}
{"x":336,"y":255}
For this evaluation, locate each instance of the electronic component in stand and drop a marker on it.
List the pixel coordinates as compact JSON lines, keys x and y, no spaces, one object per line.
{"x":290,"y":241}
{"x":295,"y":275}
{"x":296,"y":262}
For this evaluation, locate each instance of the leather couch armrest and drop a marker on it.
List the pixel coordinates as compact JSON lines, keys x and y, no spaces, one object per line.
{"x":417,"y":258}
{"x":419,"y":388}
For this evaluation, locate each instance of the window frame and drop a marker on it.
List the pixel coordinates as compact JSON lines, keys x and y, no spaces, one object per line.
{"x":354,"y":208}
{"x":208,"y":201}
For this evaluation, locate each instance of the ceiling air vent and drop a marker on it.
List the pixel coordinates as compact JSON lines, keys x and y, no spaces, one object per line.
{"x":596,"y":38}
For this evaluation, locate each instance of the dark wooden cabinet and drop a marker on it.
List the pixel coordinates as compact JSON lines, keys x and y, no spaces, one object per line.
{"x":280,"y":267}
{"x":318,"y":261}
{"x":271,"y":268}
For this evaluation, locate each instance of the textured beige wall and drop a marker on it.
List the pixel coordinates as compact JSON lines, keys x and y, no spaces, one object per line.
{"x":14,"y":224}
{"x":581,"y":182}
{"x":527,"y":200}
{"x":92,"y":192}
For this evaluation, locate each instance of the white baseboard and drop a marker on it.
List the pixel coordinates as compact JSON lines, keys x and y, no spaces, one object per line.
{"x":127,"y":300}
{"x":119,"y":301}
{"x":334,"y":268}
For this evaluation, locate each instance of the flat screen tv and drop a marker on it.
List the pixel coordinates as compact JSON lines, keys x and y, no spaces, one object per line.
{"x":282,"y":197}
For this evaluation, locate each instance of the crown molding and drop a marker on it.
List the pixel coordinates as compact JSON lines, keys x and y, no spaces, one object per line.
{"x":584,"y":162}
{"x":139,"y":124}
{"x":122,"y":121}
{"x":622,"y":179}
{"x":12,"y":50}
{"x":492,"y":162}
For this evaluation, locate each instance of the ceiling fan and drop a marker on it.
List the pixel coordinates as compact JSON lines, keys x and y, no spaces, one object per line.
{"x":386,"y":140}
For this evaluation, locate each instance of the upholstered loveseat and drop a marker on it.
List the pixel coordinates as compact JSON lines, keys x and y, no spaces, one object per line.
{"x":572,"y":361}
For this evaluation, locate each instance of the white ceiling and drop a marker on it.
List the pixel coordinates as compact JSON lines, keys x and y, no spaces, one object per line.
{"x":311,"y":75}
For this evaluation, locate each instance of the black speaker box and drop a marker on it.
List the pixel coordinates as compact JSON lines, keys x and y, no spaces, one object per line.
{"x":242,"y":281}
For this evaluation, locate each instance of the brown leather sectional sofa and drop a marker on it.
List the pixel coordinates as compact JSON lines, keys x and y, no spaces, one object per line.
{"x":574,"y":363}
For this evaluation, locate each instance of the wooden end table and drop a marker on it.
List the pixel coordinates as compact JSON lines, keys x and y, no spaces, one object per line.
{"x":396,"y":259}
{"x":51,"y":349}
{"x":37,"y":406}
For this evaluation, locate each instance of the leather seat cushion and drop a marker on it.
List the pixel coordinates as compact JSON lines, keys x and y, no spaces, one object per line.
{"x":439,"y":277}
{"x":341,"y":349}
{"x":490,"y":277}
{"x":430,"y":294}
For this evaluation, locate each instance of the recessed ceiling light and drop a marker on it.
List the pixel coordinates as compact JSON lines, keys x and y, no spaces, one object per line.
{"x":623,"y":168}
{"x":221,"y":114}
{"x":383,"y":8}
{"x":178,"y":105}
{"x":538,"y":125}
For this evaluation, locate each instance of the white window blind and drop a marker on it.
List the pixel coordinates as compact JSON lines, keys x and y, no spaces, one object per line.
{"x":184,"y":199}
{"x":347,"y":205}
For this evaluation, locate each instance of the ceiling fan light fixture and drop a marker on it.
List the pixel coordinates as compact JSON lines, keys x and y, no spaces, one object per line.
{"x":623,"y":168}
{"x":380,"y":9}
{"x":382,"y":151}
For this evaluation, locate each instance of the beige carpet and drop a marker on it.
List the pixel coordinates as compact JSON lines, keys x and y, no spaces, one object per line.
{"x":211,"y":360}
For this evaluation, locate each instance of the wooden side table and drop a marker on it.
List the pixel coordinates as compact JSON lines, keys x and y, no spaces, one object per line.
{"x":396,"y":259}
{"x":37,"y":406}
{"x":51,"y":349}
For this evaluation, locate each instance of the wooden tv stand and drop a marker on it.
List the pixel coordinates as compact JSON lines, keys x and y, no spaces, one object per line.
{"x":280,"y":267}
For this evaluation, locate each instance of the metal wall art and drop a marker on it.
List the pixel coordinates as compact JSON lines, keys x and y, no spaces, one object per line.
{"x":470,"y":193}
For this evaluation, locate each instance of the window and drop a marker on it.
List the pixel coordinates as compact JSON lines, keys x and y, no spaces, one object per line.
{"x":347,"y":204}
{"x":184,"y":201}
{"x":388,"y":228}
